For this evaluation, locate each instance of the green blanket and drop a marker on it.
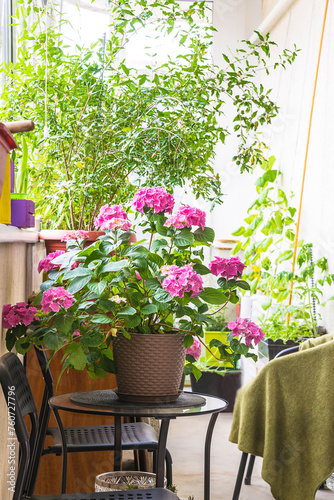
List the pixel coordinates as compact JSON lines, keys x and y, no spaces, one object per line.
{"x":286,"y":416}
{"x":314,"y":342}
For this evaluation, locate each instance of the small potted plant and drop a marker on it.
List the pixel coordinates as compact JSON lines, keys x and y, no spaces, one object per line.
{"x":216,"y":329}
{"x":221,"y":378}
{"x":125,"y":308}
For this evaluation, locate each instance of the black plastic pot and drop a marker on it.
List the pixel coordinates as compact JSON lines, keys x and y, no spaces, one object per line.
{"x":276,"y":346}
{"x":225,"y":387}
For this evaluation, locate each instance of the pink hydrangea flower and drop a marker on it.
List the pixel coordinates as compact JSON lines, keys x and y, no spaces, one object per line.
{"x":55,"y":298}
{"x":154,"y":197}
{"x":137,"y":275}
{"x":228,"y":268}
{"x":243,"y":327}
{"x":18,"y":313}
{"x":76,"y":333}
{"x":195,"y":349}
{"x":182,"y":279}
{"x":112,"y":217}
{"x":46,"y":264}
{"x":75,"y":235}
{"x":117,"y":224}
{"x":187,"y":217}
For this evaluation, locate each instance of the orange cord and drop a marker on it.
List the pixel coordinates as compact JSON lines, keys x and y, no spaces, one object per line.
{"x":306,"y":157}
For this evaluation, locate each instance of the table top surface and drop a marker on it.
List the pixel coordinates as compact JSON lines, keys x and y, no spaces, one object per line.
{"x":167,"y":410}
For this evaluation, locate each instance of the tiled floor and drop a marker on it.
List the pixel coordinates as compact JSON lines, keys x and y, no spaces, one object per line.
{"x":186,"y":443}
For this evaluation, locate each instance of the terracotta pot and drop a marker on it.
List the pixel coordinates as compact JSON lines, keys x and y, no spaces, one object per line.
{"x":52,"y":239}
{"x":149,"y":368}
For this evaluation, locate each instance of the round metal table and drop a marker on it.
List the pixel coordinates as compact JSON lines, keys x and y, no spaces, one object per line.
{"x":164,"y":412}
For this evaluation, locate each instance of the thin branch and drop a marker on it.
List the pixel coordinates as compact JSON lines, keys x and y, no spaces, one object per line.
{"x":69,"y":190}
{"x":215,"y":312}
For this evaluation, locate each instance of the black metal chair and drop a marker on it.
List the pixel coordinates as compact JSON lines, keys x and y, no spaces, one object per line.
{"x":20,"y":403}
{"x":135,"y":436}
{"x":244,"y":456}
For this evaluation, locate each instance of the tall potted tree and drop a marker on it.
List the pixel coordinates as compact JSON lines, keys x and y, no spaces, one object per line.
{"x":104,"y":128}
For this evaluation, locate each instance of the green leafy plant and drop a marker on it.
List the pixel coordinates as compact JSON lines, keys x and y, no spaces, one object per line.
{"x":112,"y":285}
{"x":173,"y":488}
{"x":218,"y":321}
{"x":291,"y":301}
{"x":223,"y":347}
{"x":111,"y":128}
{"x":216,"y":330}
{"x":301,"y":317}
{"x":218,"y":367}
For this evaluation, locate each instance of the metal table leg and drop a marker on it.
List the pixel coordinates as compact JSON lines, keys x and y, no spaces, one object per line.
{"x":207,"y":451}
{"x":118,"y":443}
{"x":161,"y":452}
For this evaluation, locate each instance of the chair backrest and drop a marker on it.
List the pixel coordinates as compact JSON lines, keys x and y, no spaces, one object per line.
{"x":43,"y":363}
{"x":20,"y":402}
{"x":289,"y":350}
{"x":44,"y":415}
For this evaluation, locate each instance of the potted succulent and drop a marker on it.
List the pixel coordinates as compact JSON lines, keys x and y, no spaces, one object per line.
{"x":148,"y":301}
{"x":103,"y":128}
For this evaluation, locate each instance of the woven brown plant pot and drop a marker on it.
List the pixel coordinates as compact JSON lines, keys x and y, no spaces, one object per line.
{"x":149,"y":368}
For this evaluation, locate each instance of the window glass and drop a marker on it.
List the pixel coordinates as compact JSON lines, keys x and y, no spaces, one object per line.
{"x":88,"y":23}
{"x":163,"y":45}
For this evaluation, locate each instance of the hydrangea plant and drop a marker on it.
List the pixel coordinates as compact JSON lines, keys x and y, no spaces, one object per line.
{"x":114,"y":286}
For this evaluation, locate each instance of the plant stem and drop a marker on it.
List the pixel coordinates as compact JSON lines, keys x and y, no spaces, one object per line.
{"x":215,"y":312}
{"x":151,"y":239}
{"x":69,"y":191}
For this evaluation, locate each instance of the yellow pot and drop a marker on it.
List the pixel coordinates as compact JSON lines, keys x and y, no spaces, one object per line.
{"x":222,"y":336}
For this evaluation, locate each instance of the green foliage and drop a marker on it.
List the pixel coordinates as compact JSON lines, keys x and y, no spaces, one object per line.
{"x":267,"y":239}
{"x":110,"y":125}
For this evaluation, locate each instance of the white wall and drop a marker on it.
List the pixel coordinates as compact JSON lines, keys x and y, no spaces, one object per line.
{"x":292,"y":90}
{"x":302,"y":25}
{"x":235,"y":20}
